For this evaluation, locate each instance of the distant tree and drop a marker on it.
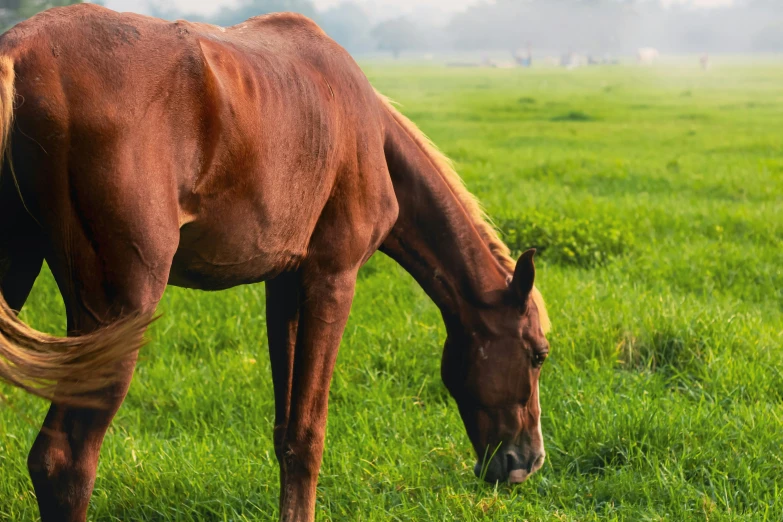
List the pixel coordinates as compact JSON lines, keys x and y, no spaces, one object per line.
{"x":554,"y":24}
{"x":165,"y":9}
{"x":229,"y":16}
{"x":13,"y":11}
{"x":396,"y":35}
{"x":28,"y":8}
{"x":765,"y":4}
{"x":349,"y":25}
{"x":250,"y":8}
{"x":769,"y":39}
{"x":619,"y":26}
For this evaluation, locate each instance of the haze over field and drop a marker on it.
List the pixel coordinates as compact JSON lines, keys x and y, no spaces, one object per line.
{"x":211,"y":6}
{"x":552,"y":26}
{"x":597,"y":28}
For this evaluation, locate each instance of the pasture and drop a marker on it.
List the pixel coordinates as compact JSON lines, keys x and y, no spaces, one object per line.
{"x":655,"y":197}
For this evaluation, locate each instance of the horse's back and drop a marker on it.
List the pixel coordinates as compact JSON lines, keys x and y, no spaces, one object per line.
{"x":91,"y":85}
{"x":233,"y":140}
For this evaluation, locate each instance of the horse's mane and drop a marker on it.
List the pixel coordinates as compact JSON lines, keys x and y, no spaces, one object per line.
{"x":470,"y":203}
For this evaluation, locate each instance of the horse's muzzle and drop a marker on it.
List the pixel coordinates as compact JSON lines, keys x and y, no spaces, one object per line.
{"x":511,"y":466}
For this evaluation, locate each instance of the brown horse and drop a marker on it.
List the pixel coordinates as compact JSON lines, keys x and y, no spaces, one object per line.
{"x":141,"y":153}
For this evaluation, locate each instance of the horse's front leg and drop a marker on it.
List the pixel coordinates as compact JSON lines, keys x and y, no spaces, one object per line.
{"x":324,"y":304}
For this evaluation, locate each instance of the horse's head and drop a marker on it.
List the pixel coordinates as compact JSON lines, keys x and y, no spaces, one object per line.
{"x":491,"y":364}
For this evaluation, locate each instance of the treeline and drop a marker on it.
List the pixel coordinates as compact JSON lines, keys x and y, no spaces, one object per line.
{"x":13,"y":11}
{"x":594,"y":26}
{"x":590,"y":26}
{"x":348,"y":23}
{"x":621,"y":26}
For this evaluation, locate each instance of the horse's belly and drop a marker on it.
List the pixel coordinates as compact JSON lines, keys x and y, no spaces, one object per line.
{"x":215,"y":257}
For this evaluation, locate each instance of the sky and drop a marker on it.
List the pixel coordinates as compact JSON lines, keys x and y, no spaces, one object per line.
{"x":208,"y":6}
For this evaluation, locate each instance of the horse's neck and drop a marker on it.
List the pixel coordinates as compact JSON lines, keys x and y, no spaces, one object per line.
{"x":435,"y":239}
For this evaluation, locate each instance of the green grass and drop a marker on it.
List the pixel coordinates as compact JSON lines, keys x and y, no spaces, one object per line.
{"x":656,"y":198}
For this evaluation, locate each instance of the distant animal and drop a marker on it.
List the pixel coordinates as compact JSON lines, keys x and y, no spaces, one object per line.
{"x":486,"y":61}
{"x":523,"y":59}
{"x":647,"y":55}
{"x":573,"y":60}
{"x":704,"y":61}
{"x":140,"y":153}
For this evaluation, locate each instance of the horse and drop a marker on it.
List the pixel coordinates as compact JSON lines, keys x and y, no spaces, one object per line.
{"x":704,"y":61}
{"x":647,"y":55}
{"x":140,"y":153}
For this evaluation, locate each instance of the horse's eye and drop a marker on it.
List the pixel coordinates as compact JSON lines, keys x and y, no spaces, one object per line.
{"x":539,"y":358}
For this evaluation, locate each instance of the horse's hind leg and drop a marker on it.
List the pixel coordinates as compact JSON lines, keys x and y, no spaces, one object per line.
{"x":109,"y":261}
{"x":20,"y":264}
{"x":21,"y":249}
{"x":64,"y":457}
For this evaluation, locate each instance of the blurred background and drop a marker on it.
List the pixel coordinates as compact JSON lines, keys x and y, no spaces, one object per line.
{"x":508,"y":32}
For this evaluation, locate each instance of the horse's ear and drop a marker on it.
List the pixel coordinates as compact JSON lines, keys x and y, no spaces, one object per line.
{"x":524,"y":277}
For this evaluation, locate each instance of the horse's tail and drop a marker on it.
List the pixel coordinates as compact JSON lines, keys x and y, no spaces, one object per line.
{"x":6,"y":103}
{"x":66,"y":370}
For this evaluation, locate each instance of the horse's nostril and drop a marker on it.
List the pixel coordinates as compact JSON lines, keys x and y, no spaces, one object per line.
{"x":510,"y":462}
{"x":536,"y":463}
{"x":513,"y":462}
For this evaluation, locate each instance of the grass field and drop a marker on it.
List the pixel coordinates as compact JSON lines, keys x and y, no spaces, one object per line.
{"x":656,"y":198}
